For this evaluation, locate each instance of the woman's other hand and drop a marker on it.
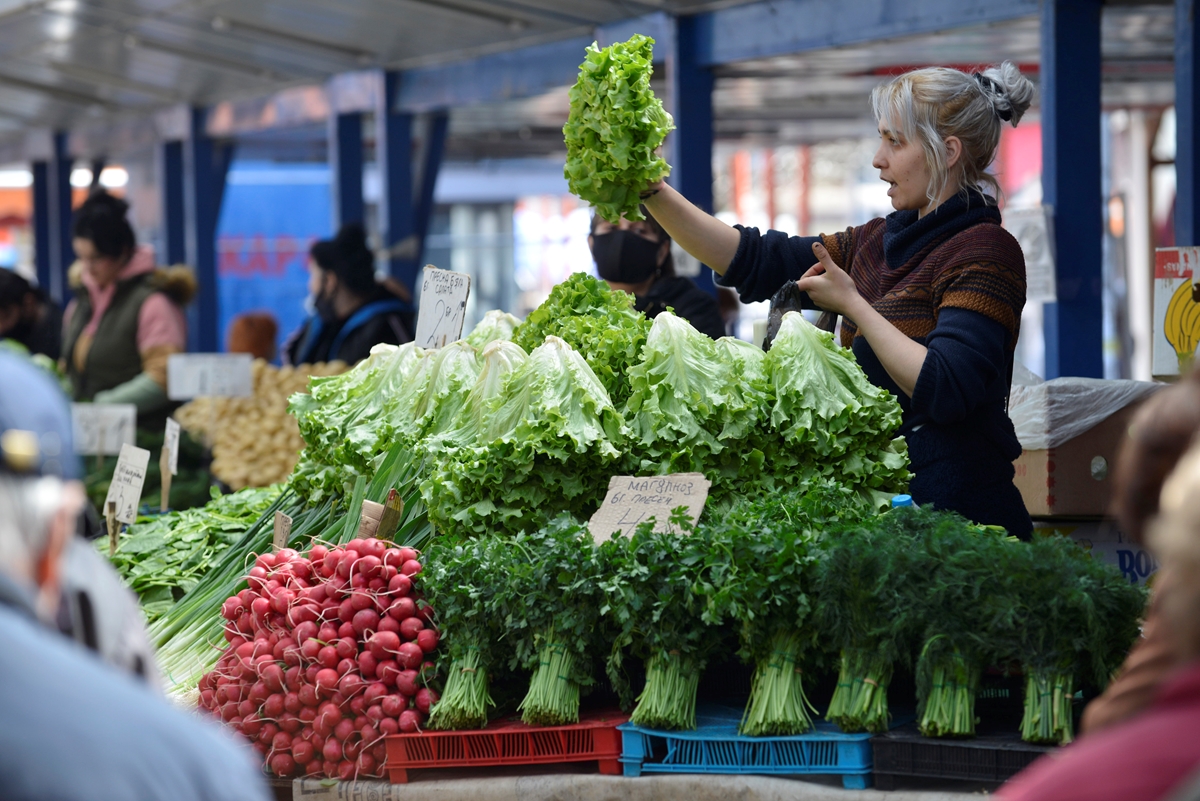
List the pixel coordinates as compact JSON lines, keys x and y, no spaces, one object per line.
{"x":829,"y":286}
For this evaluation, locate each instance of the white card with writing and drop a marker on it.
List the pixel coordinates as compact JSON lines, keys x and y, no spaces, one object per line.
{"x":443,"y":307}
{"x":632,"y":500}
{"x":103,"y":428}
{"x":209,"y":375}
{"x":171,"y":444}
{"x":126,"y":487}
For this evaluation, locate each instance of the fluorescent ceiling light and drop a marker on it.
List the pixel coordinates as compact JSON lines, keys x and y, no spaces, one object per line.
{"x":16,"y":179}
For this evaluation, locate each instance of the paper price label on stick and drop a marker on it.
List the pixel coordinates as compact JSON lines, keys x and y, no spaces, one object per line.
{"x":443,"y":307}
{"x":171,"y":445}
{"x":126,"y":488}
{"x":632,"y":500}
{"x":209,"y":375}
{"x":283,"y":530}
{"x":103,"y":428}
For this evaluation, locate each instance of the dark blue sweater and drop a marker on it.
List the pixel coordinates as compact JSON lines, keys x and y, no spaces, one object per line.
{"x":961,"y":441}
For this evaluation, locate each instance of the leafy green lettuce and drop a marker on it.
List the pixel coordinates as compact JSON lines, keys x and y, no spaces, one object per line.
{"x":599,"y":323}
{"x":495,"y":325}
{"x":614,"y":129}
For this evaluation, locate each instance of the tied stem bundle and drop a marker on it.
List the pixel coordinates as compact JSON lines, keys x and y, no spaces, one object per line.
{"x":777,"y":704}
{"x":553,"y":697}
{"x":949,"y":709}
{"x":465,"y":703}
{"x":1047,"y":717}
{"x":860,"y":701}
{"x":669,"y":698}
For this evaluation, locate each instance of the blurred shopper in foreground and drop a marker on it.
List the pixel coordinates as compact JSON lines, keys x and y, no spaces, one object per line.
{"x":28,"y":317}
{"x":635,"y":257}
{"x":352,"y":312}
{"x":1148,"y":756}
{"x":72,"y":727}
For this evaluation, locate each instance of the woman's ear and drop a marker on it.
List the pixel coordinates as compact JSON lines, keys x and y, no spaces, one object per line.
{"x":954,"y":151}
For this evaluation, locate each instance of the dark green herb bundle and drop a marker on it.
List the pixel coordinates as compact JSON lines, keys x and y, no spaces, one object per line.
{"x":551,"y":604}
{"x":759,"y":575}
{"x":657,"y":617}
{"x":461,"y":582}
{"x":867,"y":580}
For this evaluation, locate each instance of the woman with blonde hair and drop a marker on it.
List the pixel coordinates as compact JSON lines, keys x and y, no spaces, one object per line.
{"x":930,"y":297}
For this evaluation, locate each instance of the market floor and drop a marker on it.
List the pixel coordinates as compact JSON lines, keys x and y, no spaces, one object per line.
{"x":561,"y":783}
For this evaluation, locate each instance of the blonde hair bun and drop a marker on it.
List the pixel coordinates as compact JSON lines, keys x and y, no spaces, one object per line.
{"x":1010,"y":92}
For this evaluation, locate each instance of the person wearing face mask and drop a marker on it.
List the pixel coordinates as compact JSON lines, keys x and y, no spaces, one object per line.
{"x":635,"y":257}
{"x":930,"y":297}
{"x":351,"y":312}
{"x":28,"y":317}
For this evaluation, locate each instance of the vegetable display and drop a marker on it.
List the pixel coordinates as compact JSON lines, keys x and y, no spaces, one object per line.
{"x":164,"y":557}
{"x":328,"y":653}
{"x":615,"y":128}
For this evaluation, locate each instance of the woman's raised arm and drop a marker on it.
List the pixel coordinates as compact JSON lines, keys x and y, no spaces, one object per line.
{"x":699,"y":233}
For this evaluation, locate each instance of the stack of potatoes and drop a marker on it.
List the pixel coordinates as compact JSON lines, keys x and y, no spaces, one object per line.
{"x":255,"y":442}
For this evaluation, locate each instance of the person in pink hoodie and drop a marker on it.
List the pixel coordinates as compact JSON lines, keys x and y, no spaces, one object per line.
{"x":119,"y":331}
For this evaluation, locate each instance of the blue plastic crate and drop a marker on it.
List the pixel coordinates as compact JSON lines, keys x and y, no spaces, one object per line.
{"x":716,"y":747}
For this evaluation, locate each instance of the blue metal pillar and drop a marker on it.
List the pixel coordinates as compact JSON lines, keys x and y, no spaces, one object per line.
{"x":1187,"y":107}
{"x":58,"y":185}
{"x":41,"y":223}
{"x":431,"y":164}
{"x":346,"y":168}
{"x":692,"y":148}
{"x":206,"y":165}
{"x":174,"y":226}
{"x":393,"y":154}
{"x":1070,"y":105}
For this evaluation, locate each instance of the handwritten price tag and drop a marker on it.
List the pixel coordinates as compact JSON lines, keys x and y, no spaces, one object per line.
{"x":631,"y":500}
{"x":209,"y":375}
{"x":171,"y":446}
{"x":125,"y":491}
{"x":443,"y":307}
{"x":283,"y":530}
{"x":103,"y":428}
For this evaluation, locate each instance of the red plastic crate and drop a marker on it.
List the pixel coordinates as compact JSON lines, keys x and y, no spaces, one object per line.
{"x":510,"y":742}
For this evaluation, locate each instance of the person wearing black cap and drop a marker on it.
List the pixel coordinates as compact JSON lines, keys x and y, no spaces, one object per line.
{"x":72,"y":726}
{"x":352,"y":312}
{"x":635,"y":257}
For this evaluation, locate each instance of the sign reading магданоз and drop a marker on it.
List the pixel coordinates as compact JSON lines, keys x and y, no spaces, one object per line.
{"x":633,"y":499}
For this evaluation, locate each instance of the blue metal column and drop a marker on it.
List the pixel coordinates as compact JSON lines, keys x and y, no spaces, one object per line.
{"x":435,"y":148}
{"x":393,"y":154}
{"x":41,"y":223}
{"x":692,"y":148}
{"x":174,"y":226}
{"x":1187,"y":107}
{"x":62,"y":253}
{"x":1070,"y":104}
{"x":206,"y":165}
{"x":346,"y":167}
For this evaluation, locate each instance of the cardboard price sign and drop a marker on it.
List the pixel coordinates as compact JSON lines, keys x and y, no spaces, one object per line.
{"x":283,"y":530}
{"x":171,"y":446}
{"x":631,"y":500}
{"x":103,"y":428}
{"x":443,"y":307}
{"x":125,"y":491}
{"x":209,"y":375}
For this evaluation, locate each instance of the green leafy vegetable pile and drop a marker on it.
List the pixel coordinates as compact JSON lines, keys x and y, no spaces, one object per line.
{"x":164,"y":557}
{"x":614,"y":129}
{"x":495,"y":326}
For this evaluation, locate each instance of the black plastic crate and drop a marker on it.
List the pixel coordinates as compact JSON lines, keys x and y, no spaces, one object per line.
{"x":990,"y":758}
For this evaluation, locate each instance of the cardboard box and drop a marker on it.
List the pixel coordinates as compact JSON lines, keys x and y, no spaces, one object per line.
{"x":1109,"y":545}
{"x":1074,"y":479}
{"x":1176,"y":321}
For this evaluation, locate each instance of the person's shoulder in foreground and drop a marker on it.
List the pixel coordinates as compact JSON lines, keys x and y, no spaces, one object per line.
{"x":1141,"y":760}
{"x":74,"y":728}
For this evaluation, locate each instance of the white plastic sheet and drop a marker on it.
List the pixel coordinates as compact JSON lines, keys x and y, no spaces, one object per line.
{"x":1048,"y":413}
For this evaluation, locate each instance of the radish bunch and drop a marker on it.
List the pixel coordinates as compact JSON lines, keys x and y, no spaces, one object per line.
{"x":328,"y":653}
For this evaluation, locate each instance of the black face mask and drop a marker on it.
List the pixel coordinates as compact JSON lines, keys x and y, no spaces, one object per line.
{"x":623,"y":257}
{"x":324,"y":308}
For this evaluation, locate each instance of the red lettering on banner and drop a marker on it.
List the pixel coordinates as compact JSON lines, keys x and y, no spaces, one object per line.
{"x":243,"y":257}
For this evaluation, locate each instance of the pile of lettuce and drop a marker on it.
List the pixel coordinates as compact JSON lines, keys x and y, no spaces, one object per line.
{"x":614,"y":129}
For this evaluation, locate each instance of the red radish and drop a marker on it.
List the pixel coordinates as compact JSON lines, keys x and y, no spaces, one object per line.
{"x":346,"y":610}
{"x":399,"y":585}
{"x":425,"y":699}
{"x":246,"y":707}
{"x":427,"y":640}
{"x":310,"y":650}
{"x":389,"y":623}
{"x":326,"y":681}
{"x":375,"y":691}
{"x":327,"y":657}
{"x":290,"y":723}
{"x":346,"y":631}
{"x":307,"y":714}
{"x":358,"y":705}
{"x":302,"y":751}
{"x":383,"y":644}
{"x":343,"y":730}
{"x":327,"y":633}
{"x":310,"y":675}
{"x":376,"y":585}
{"x":332,"y":750}
{"x":265,"y":560}
{"x":392,"y":705}
{"x":308,"y":695}
{"x":328,"y":767}
{"x":356,"y":544}
{"x":408,"y":554}
{"x":257,"y":578}
{"x":282,"y":765}
{"x":410,"y":721}
{"x":369,"y":734}
{"x":305,"y":631}
{"x":232,"y":608}
{"x":410,"y":568}
{"x":337,"y":698}
{"x":346,"y":770}
{"x":367,"y":664}
{"x":302,"y":612}
{"x":360,"y":600}
{"x":317,"y":553}
{"x":410,"y":627}
{"x":269,"y":730}
{"x":361,"y":720}
{"x":281,"y":742}
{"x":366,"y":764}
{"x":347,"y":562}
{"x":403,"y":608}
{"x":366,"y":620}
{"x":291,"y":677}
{"x":375,"y":713}
{"x":406,"y":683}
{"x":389,"y":726}
{"x":346,"y":647}
{"x":351,"y":684}
{"x":425,"y":612}
{"x":345,"y":666}
{"x":259,"y":691}
{"x":387,"y":671}
{"x":410,"y":655}
{"x":379,"y":751}
{"x":251,"y":726}
{"x":291,"y":702}
{"x":272,"y":675}
{"x":273,"y":707}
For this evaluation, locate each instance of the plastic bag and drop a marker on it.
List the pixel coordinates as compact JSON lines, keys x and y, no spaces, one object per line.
{"x":1048,"y":413}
